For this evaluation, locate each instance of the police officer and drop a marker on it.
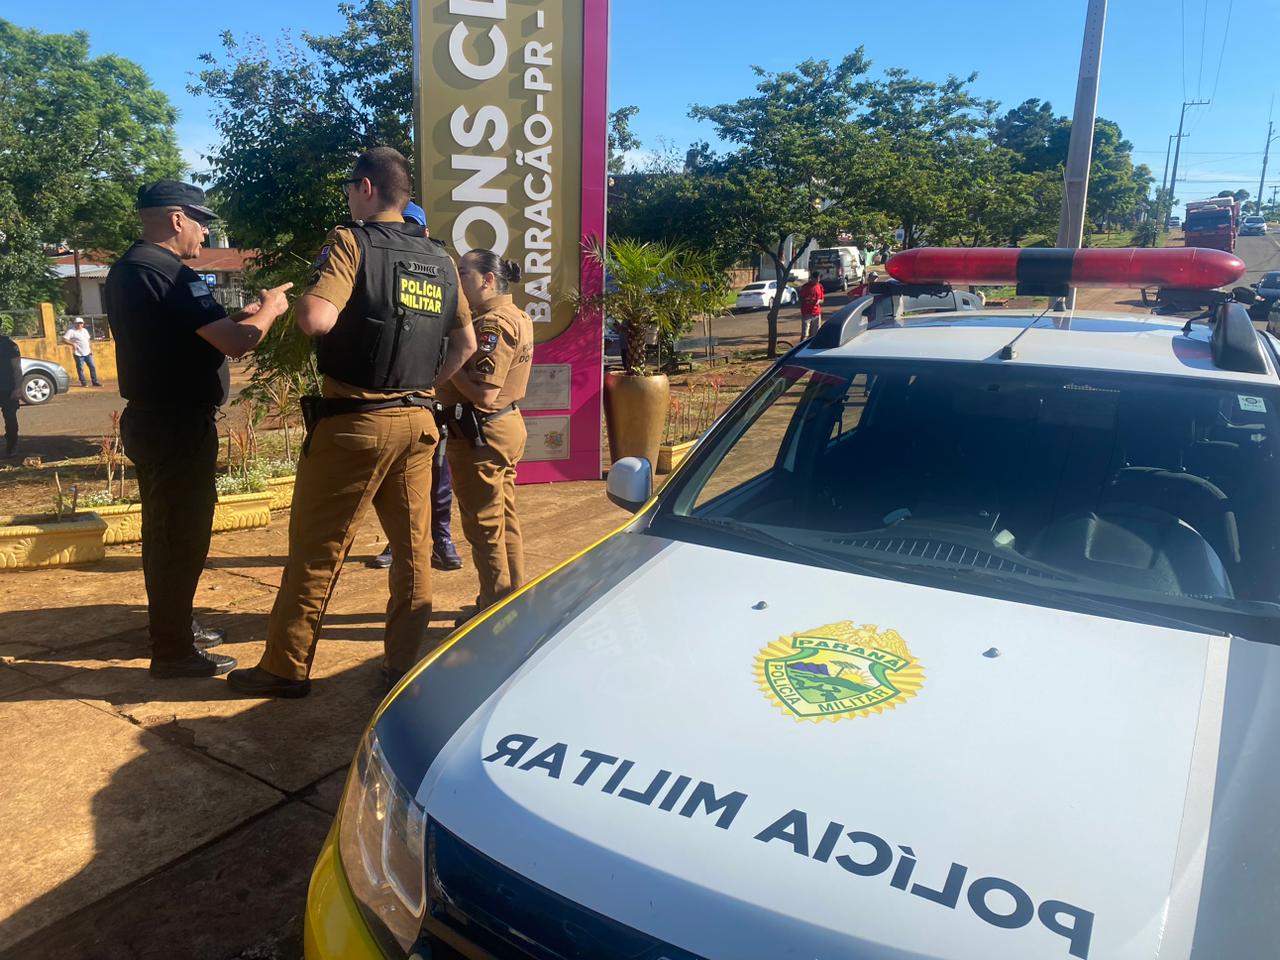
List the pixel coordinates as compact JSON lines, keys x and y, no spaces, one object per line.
{"x":383,"y":306}
{"x":172,"y":342}
{"x":487,"y":432}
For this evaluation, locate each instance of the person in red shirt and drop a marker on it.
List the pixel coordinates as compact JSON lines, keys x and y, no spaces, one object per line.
{"x":861,"y":289}
{"x":811,"y":297}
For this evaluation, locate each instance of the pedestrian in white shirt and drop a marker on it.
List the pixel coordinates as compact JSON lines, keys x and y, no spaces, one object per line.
{"x":80,"y":340}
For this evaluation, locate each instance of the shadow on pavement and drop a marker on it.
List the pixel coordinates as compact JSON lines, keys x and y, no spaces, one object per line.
{"x":233,"y":889}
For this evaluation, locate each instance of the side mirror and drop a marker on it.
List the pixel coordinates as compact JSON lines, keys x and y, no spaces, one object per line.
{"x":630,"y":483}
{"x":1244,"y":295}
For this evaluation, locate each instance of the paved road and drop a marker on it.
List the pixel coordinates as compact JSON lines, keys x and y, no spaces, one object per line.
{"x":1260,"y":254}
{"x":70,"y":423}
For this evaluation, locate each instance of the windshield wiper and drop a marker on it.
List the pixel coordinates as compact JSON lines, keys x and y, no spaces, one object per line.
{"x":818,"y":557}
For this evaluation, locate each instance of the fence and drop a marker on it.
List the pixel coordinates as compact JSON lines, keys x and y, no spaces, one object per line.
{"x":97,"y":324}
{"x":21,"y":322}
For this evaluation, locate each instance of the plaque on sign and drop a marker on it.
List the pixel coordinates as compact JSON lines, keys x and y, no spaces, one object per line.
{"x":548,"y":387}
{"x":548,"y":439}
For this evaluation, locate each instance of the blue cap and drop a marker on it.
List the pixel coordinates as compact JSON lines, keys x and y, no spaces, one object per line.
{"x":413,"y":212}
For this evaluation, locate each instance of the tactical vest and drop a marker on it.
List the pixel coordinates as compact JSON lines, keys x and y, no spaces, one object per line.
{"x":393,"y":332}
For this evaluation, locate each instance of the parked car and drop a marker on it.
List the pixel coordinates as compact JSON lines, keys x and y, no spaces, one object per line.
{"x":1254,"y":226}
{"x":759,"y":295}
{"x":1174,"y":222}
{"x":42,"y":380}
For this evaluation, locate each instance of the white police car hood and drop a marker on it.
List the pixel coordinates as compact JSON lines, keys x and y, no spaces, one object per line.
{"x":1040,"y":785}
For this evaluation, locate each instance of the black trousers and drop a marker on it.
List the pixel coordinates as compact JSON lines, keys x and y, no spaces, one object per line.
{"x":175,"y":451}
{"x":10,"y":408}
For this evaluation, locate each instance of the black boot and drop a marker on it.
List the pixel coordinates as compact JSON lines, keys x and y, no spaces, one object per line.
{"x":206,"y":637}
{"x":198,"y":664}
{"x":444,"y":556}
{"x":381,"y":561}
{"x":256,"y":682}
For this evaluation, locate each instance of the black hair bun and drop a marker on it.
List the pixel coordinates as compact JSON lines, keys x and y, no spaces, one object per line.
{"x":512,"y":270}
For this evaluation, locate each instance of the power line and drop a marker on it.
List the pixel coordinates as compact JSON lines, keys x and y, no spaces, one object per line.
{"x":1204,"y":32}
{"x":1183,"y":59}
{"x":1222,"y":53}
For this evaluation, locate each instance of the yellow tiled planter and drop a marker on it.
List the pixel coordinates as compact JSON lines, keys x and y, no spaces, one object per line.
{"x":124,"y":523}
{"x":670,"y":455}
{"x":35,"y":543}
{"x":242,"y":511}
{"x":281,"y":490}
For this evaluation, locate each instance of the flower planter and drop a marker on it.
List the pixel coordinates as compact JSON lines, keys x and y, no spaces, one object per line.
{"x":281,"y":490}
{"x":124,"y":523}
{"x":670,"y":455}
{"x":635,"y":412}
{"x":242,"y":511}
{"x":27,"y":543}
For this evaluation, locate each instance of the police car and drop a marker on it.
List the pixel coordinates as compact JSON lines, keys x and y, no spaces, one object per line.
{"x":954,"y":638}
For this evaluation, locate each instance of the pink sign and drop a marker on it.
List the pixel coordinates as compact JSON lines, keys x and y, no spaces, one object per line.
{"x":581,"y":347}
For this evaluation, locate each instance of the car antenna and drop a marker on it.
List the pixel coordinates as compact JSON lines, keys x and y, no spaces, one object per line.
{"x":1007,"y":352}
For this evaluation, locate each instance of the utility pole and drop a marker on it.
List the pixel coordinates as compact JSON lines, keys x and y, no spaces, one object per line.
{"x":1080,"y":152}
{"x":1164,"y":183}
{"x":1266,"y":152}
{"x":1177,"y":151}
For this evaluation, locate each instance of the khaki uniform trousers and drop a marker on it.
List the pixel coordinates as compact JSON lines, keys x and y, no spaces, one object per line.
{"x":484,"y":486}
{"x":381,"y":458}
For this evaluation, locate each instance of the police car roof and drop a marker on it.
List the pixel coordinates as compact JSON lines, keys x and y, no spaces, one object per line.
{"x":1122,"y":342}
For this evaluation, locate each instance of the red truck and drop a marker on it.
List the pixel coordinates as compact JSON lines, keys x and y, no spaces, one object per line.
{"x":1212,"y":223}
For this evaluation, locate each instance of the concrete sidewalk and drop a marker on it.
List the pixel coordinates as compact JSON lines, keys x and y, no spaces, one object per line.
{"x":149,"y":819}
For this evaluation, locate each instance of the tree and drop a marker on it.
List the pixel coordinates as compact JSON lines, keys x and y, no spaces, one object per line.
{"x":1241,"y":195}
{"x":78,"y":136}
{"x":1035,"y":134}
{"x":621,"y":139}
{"x":783,"y":179}
{"x":924,"y":137}
{"x":291,"y":122}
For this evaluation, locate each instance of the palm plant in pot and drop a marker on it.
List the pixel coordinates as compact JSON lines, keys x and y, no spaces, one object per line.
{"x":651,"y":289}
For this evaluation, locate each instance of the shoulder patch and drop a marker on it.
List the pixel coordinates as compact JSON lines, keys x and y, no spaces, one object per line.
{"x":486,"y":365}
{"x":322,"y":257}
{"x":487,"y":338}
{"x":199,"y":289}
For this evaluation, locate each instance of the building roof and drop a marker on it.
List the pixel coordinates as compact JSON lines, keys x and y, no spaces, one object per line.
{"x":1097,"y":341}
{"x":211,"y":259}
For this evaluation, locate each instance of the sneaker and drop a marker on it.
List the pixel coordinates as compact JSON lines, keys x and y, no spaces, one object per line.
{"x":444,"y":556}
{"x":197,"y":664}
{"x":256,"y":682}
{"x":381,"y":561}
{"x":206,"y":637}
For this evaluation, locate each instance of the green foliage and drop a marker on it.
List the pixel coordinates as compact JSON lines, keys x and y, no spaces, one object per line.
{"x":621,"y":139}
{"x":292,"y":120}
{"x":653,"y":286}
{"x":78,"y":136}
{"x":785,"y":177}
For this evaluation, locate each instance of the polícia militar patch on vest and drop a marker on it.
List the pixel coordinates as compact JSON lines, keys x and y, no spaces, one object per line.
{"x":416,"y":293}
{"x":838,"y":672}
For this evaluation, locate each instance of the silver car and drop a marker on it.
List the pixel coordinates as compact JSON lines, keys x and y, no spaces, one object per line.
{"x":42,"y":380}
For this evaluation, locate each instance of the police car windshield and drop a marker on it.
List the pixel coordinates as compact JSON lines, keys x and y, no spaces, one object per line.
{"x":1162,"y":493}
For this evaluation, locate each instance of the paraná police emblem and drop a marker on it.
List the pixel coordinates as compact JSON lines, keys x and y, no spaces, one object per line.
{"x":839,"y":671}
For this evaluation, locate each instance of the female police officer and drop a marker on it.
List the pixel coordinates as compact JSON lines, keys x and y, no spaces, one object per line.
{"x":488,"y":433}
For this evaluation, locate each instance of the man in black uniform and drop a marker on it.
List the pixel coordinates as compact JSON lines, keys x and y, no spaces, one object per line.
{"x":172,"y":342}
{"x":384,"y":309}
{"x":10,"y":392}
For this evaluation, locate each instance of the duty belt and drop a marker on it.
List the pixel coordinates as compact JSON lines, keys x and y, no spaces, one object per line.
{"x":467,"y":420}
{"x":315,"y":409}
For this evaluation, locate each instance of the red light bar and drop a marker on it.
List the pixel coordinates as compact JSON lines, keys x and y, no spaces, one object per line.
{"x":1186,"y":267}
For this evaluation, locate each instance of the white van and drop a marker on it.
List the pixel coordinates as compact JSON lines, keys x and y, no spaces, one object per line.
{"x":837,"y":267}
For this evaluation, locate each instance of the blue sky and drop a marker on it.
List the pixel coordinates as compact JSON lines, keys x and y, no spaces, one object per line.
{"x":669,"y":53}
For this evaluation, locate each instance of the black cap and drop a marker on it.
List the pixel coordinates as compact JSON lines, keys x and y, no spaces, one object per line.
{"x":174,"y":193}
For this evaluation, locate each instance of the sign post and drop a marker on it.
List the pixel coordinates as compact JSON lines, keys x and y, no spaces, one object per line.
{"x":510,"y":114}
